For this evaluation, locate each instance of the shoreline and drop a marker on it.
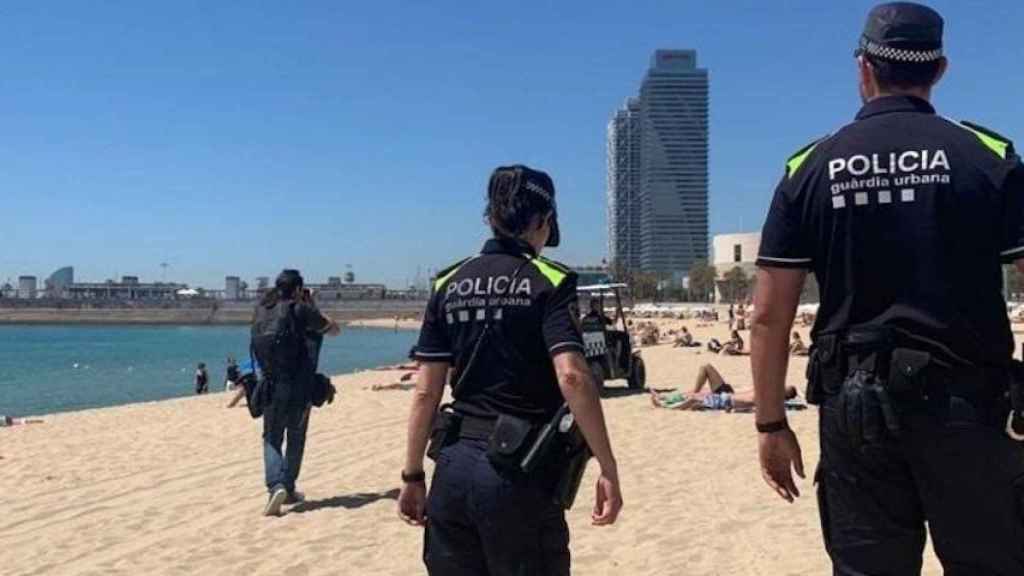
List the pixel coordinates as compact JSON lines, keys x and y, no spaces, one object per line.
{"x":379,"y":318}
{"x":382,"y":369}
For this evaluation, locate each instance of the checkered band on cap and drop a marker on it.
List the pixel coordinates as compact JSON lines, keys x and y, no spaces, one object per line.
{"x":537,"y":189}
{"x":898,"y":54}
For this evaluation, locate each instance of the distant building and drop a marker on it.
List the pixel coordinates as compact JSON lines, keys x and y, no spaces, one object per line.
{"x":129,"y":288}
{"x":623,"y":191}
{"x":232,"y":288}
{"x":340,"y":291}
{"x":735,"y":251}
{"x":58,"y":282}
{"x":658,"y":170}
{"x":27,"y":287}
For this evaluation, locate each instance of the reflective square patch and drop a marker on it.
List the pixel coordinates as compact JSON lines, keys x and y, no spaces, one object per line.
{"x":838,"y":202}
{"x":860,"y":198}
{"x":907,"y":194}
{"x":885,"y":196}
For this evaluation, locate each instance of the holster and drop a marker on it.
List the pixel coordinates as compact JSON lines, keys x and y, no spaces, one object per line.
{"x":872,"y":378}
{"x":444,"y":431}
{"x":825,"y":369}
{"x":559,"y":455}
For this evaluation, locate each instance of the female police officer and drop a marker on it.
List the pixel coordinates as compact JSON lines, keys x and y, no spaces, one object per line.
{"x":507,"y":322}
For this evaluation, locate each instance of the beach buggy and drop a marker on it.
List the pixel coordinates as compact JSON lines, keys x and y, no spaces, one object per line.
{"x":608,"y":347}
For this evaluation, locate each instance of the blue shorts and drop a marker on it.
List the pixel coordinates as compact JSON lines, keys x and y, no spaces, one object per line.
{"x":718,"y":401}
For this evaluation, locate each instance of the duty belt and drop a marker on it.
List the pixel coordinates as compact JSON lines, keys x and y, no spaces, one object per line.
{"x":475,"y":428}
{"x":880,"y":368}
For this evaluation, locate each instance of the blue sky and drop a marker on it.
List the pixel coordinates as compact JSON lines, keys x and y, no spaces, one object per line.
{"x":242,"y":137}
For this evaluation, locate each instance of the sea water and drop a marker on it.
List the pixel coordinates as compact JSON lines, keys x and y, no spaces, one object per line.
{"x":47,"y":369}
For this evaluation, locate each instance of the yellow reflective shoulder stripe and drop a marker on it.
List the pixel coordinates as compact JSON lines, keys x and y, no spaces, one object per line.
{"x":797,"y":161}
{"x":553,"y":274}
{"x":440,"y":281}
{"x":994,"y":144}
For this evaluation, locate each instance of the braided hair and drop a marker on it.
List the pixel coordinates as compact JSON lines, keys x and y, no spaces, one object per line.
{"x":515,"y":196}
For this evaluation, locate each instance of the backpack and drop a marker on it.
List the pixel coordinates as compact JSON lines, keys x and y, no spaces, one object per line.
{"x":278,"y":346}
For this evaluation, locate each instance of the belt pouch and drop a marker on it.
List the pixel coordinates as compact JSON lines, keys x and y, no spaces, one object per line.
{"x":509,"y":443}
{"x":906,"y":369}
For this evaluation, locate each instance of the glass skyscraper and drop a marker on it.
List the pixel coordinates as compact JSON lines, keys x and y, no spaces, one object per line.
{"x":658,"y":170}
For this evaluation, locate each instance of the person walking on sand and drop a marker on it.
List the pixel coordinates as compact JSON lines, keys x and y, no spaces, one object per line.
{"x":286,"y":326}
{"x":515,"y":365}
{"x":905,"y":217}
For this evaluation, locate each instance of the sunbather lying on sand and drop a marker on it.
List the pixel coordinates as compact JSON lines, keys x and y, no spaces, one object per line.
{"x":721,"y":395}
{"x":6,"y":421}
{"x":404,"y":383}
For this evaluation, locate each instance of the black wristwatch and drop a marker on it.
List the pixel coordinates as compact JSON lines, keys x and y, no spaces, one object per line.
{"x":414,"y":478}
{"x":773,"y":427}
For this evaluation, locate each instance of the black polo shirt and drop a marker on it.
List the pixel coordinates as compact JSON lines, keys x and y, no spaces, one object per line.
{"x":905,"y":218}
{"x":529,"y":309}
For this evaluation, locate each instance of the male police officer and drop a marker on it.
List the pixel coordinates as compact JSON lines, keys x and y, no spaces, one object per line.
{"x":905,"y":218}
{"x":507,"y":321}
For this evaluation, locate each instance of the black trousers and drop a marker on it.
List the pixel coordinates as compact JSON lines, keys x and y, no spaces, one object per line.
{"x":962,"y":478}
{"x":480,"y":523}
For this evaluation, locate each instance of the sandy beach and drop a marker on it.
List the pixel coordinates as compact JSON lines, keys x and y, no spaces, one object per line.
{"x":176,"y":487}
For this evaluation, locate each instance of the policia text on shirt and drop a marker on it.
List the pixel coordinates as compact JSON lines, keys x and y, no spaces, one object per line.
{"x":905,"y":218}
{"x":506,"y":324}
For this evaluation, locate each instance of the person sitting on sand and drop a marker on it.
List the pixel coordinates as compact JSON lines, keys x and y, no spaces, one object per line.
{"x":797,"y":346}
{"x":650,"y":335}
{"x":734,"y":347}
{"x":684,"y":339}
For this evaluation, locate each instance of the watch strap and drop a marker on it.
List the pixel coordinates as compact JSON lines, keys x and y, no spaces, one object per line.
{"x":414,"y":477}
{"x":773,"y":427}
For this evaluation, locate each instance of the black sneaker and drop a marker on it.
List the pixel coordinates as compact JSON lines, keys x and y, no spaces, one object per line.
{"x":295,"y":497}
{"x":277,"y":497}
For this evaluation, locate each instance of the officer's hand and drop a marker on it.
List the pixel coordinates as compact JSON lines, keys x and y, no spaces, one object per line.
{"x":780,"y":451}
{"x":608,"y":501}
{"x":412,"y":503}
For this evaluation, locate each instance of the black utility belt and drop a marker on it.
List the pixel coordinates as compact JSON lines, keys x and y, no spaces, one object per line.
{"x":553,"y":453}
{"x":906,"y":373}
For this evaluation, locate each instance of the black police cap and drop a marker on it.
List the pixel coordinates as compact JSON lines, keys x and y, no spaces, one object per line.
{"x":530,"y":181}
{"x":902,"y":32}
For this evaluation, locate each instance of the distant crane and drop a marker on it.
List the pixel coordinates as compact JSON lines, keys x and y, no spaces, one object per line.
{"x":163,"y":272}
